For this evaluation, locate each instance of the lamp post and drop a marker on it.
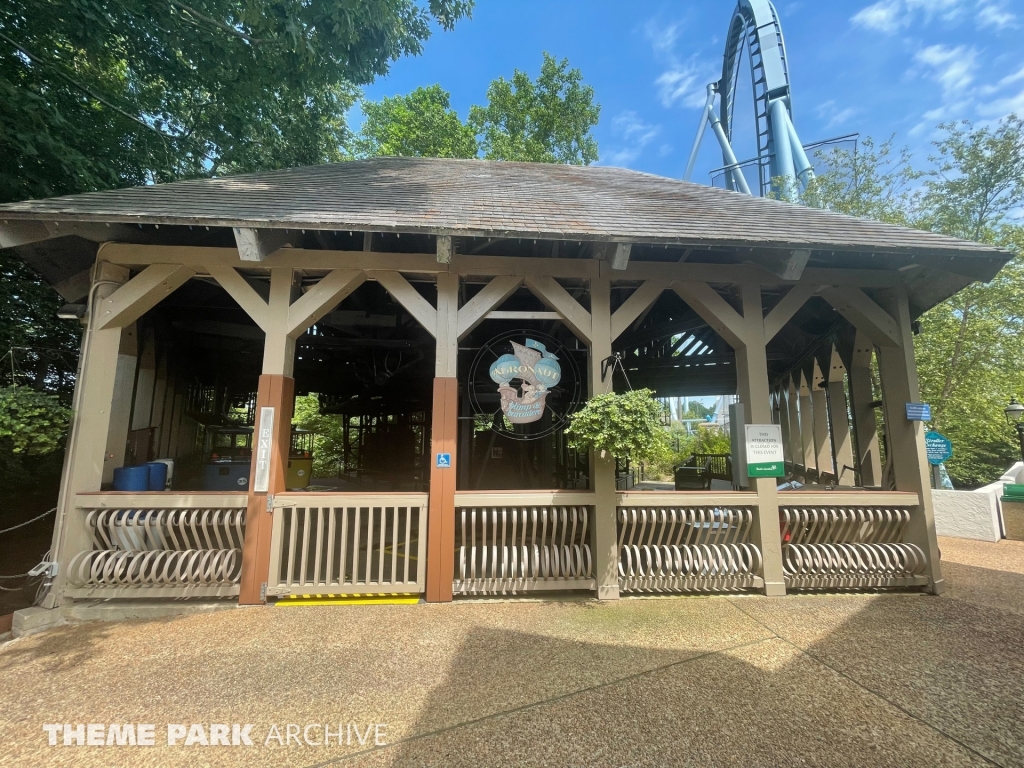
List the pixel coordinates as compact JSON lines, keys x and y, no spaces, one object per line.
{"x":1014,"y":411}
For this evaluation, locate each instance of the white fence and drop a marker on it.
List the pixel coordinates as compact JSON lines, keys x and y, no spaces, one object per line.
{"x":159,"y":545}
{"x":687,"y":542}
{"x":524,"y":542}
{"x":348,"y":544}
{"x":849,"y":543}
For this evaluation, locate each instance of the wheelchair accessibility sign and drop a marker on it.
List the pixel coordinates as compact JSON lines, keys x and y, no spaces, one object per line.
{"x":444,"y":461}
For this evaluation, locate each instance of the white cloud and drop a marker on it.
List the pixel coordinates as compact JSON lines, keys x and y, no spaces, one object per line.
{"x":832,"y":116}
{"x":1004,"y":106}
{"x":891,"y":16}
{"x":952,"y":68}
{"x":635,"y":134}
{"x":994,"y":14}
{"x":683,"y":82}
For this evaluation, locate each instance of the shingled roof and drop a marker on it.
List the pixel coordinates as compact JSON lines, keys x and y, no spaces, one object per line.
{"x":488,"y":198}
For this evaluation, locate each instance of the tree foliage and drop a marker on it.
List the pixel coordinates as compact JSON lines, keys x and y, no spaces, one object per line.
{"x":626,"y":426}
{"x":970,"y":348}
{"x":542,"y":121}
{"x":422,"y":124}
{"x":101,"y":95}
{"x":32,"y":423}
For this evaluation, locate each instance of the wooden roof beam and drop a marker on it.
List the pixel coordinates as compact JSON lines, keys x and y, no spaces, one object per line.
{"x":257,"y":244}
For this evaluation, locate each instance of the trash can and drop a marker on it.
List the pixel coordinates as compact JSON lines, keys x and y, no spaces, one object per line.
{"x":157,"y":475}
{"x":131,"y":478}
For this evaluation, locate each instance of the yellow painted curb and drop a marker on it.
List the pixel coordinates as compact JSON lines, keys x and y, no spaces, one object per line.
{"x":348,"y":600}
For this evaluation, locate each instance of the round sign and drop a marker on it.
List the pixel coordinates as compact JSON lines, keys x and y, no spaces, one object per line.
{"x":524,"y":385}
{"x":938,"y":447}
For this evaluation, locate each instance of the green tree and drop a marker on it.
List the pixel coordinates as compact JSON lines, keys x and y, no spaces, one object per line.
{"x":101,"y":95}
{"x":422,"y":124}
{"x":970,"y":347}
{"x":542,"y":121}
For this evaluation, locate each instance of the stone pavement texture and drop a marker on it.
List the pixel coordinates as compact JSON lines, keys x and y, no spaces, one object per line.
{"x":805,"y":680}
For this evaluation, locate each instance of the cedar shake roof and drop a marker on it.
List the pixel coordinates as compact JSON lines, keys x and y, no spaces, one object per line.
{"x":490,"y":198}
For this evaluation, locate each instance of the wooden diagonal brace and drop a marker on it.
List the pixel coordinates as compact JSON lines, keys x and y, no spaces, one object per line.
{"x":140,"y":294}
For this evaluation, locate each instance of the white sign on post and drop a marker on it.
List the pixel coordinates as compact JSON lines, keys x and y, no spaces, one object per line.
{"x":264,"y":441}
{"x":764,"y":451}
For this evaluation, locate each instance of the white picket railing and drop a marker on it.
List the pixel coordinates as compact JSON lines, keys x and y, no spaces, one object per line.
{"x":849,"y":546}
{"x":159,"y":545}
{"x":348,"y":544}
{"x":523,"y":542}
{"x":687,"y":542}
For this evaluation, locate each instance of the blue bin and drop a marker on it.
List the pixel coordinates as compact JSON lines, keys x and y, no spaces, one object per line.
{"x":157,"y":475}
{"x":131,"y":478}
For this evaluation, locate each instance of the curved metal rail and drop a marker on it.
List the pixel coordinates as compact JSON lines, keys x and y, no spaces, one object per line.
{"x":151,"y":548}
{"x":756,"y":28}
{"x":849,"y":547}
{"x":694,"y":549}
{"x":513,"y":549}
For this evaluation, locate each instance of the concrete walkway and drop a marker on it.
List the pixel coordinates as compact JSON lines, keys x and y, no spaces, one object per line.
{"x":834,"y":680}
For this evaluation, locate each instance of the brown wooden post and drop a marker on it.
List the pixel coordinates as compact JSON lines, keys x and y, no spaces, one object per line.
{"x":906,"y":438}
{"x":275,"y":400}
{"x":864,"y":424}
{"x":444,"y":439}
{"x":606,"y":554}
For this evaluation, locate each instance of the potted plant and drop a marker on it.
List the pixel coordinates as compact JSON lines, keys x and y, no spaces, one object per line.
{"x":627,"y":426}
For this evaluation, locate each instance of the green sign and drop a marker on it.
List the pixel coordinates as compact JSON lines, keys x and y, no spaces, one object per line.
{"x":938,"y":447}
{"x":764,"y":451}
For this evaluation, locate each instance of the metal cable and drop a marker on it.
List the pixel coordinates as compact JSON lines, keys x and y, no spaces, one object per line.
{"x":28,"y":522}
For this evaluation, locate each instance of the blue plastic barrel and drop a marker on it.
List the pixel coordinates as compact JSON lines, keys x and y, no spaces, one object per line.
{"x":157,"y":475}
{"x":131,"y":478}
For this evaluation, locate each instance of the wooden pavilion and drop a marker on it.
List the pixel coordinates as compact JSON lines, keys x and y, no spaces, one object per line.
{"x":387,"y":286}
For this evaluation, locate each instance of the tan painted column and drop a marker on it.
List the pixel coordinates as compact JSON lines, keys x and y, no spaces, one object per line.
{"x":840,"y":420}
{"x":796,"y":446}
{"x":864,"y":424}
{"x":807,"y":429}
{"x":784,"y":422}
{"x":121,"y":407}
{"x":819,"y":406}
{"x":606,"y":547}
{"x":90,"y":423}
{"x":898,"y":372}
{"x":752,"y":385}
{"x":444,"y":439}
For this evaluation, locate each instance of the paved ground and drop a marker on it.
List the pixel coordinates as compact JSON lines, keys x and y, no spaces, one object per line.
{"x":838,"y":680}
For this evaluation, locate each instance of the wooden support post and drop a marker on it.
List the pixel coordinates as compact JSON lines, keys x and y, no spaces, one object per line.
{"x":819,"y":406}
{"x":864,"y":423}
{"x":906,"y":438}
{"x":842,"y":445}
{"x":606,"y":547}
{"x":752,"y":383}
{"x":796,"y":446}
{"x":90,"y":424}
{"x":807,"y":429}
{"x":444,"y":440}
{"x":121,"y":406}
{"x":784,"y":423}
{"x":275,"y":400}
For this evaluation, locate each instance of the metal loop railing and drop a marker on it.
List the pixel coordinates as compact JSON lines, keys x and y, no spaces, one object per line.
{"x":170,"y":547}
{"x":682,"y":549}
{"x":848,"y":546}
{"x":510,"y":549}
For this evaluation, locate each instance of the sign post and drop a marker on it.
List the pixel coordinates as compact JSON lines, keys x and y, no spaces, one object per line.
{"x":765,"y":457}
{"x":938,"y":448}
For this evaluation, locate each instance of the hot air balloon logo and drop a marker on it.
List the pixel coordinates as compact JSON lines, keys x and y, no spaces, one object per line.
{"x":537,"y":370}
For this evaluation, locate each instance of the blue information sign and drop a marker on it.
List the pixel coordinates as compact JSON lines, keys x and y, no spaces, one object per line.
{"x":919,"y":412}
{"x":444,"y":461}
{"x":938,"y":447}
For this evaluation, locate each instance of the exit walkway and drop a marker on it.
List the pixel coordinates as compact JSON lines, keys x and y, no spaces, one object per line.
{"x":865,"y":680}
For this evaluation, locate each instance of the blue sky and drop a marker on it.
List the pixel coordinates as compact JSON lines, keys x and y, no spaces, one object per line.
{"x":892,"y":66}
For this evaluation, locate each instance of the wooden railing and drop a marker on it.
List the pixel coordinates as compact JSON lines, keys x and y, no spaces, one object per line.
{"x":159,"y":545}
{"x":348,"y":544}
{"x":697,"y":541}
{"x":523,"y":541}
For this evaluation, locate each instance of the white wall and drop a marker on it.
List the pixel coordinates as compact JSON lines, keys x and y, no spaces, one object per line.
{"x":967,"y":514}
